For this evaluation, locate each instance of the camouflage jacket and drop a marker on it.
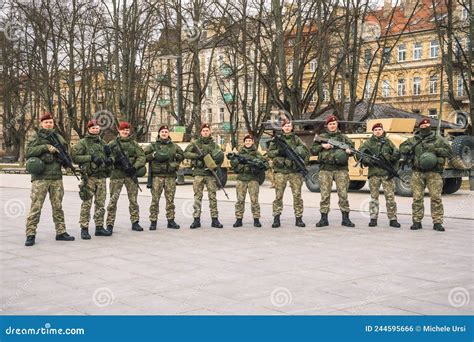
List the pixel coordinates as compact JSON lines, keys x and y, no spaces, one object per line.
{"x":207,"y":146}
{"x":168,"y":156}
{"x":327,"y":158}
{"x":281,"y":164}
{"x":246,"y":172}
{"x":433,"y":143}
{"x":82,"y":152}
{"x":380,"y":147}
{"x":132,"y":151}
{"x":37,"y":146}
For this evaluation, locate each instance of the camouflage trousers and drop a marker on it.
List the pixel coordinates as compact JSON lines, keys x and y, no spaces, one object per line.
{"x":296,"y":182}
{"x":39,"y":190}
{"x":132,"y":192}
{"x":198,"y":187}
{"x":434,"y":182}
{"x":99,"y":189}
{"x":241,"y":189}
{"x":389,"y":193}
{"x":168,"y":184}
{"x":342,"y":185}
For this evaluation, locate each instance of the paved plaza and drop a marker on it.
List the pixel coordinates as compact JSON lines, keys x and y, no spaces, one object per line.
{"x":258,"y":271}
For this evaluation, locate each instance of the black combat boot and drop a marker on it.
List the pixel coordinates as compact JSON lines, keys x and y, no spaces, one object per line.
{"x":346,"y":221}
{"x":215,"y":223}
{"x":323,"y":222}
{"x":30,"y":240}
{"x":238,"y":223}
{"x":373,"y":223}
{"x":256,"y":223}
{"x":172,"y":224}
{"x":439,"y":227}
{"x":299,"y":222}
{"x":153,"y":225}
{"x":276,"y":221}
{"x":100,"y":231}
{"x":85,"y":234}
{"x":416,"y":226}
{"x":136,"y":227}
{"x":394,"y":224}
{"x":64,"y":237}
{"x":196,"y":223}
{"x":110,"y":229}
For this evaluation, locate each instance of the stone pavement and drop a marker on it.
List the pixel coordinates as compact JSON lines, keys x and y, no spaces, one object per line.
{"x":310,"y":271}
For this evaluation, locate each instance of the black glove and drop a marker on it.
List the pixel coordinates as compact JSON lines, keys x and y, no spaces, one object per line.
{"x":109,"y":161}
{"x":200,"y":156}
{"x":131,"y":171}
{"x":97,"y":161}
{"x":107,"y":150}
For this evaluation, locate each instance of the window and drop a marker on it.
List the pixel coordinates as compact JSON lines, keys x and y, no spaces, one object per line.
{"x":458,"y":50}
{"x":402,"y":53}
{"x":367,"y":57}
{"x":290,"y":67}
{"x":250,"y":86}
{"x":312,"y":65}
{"x":368,"y":89}
{"x":386,"y":88}
{"x":460,"y":86}
{"x":386,"y":55}
{"x":325,"y":94}
{"x":464,"y":13}
{"x":417,"y":51}
{"x":339,"y":91}
{"x":433,"y":113}
{"x":401,"y":87}
{"x":434,"y":49}
{"x":416,"y":85}
{"x":221,"y":114}
{"x":209,"y":115}
{"x":209,"y":91}
{"x":433,"y":84}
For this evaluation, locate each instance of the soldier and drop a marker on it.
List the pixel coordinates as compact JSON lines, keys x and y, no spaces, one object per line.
{"x":285,"y":171}
{"x":333,"y":167}
{"x":429,"y":153}
{"x":90,"y":154}
{"x":46,"y":177}
{"x":164,"y":157}
{"x":120,"y":176}
{"x":202,"y":176}
{"x":379,"y":145}
{"x":249,"y":166}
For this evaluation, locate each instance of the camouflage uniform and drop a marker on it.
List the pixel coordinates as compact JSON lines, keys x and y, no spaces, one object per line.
{"x":382,"y":147}
{"x":285,"y":172}
{"x":201,"y":175}
{"x":49,"y":181}
{"x":164,"y":165}
{"x":432,"y":179}
{"x":82,"y":154}
{"x":119,"y":177}
{"x":330,"y":171}
{"x":247,"y":180}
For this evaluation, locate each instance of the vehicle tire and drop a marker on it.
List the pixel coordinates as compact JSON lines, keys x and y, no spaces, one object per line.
{"x":462,"y":119}
{"x":222,"y":174}
{"x":403,"y":188}
{"x":451,"y":185}
{"x":312,"y":178}
{"x":356,"y":185}
{"x":463,"y":147}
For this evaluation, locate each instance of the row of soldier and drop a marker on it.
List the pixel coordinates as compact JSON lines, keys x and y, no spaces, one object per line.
{"x":123,"y":158}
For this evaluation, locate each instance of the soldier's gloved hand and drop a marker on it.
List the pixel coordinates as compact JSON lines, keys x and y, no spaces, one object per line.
{"x":109,"y":161}
{"x":200,"y":156}
{"x":52,"y":149}
{"x":97,"y":161}
{"x":132,"y":171}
